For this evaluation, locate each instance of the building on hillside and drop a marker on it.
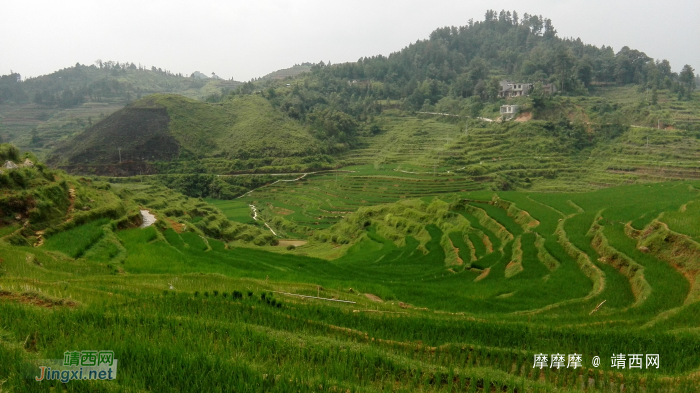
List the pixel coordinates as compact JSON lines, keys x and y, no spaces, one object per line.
{"x":509,"y":111}
{"x":513,"y":89}
{"x":10,"y":165}
{"x":516,"y":89}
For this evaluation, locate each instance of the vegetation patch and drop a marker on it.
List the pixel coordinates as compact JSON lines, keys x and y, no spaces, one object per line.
{"x":35,"y":299}
{"x":624,"y":264}
{"x":678,"y":250}
{"x":515,"y":266}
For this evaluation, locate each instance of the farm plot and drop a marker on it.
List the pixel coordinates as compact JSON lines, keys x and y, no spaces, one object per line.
{"x":528,"y":288}
{"x":321,"y":200}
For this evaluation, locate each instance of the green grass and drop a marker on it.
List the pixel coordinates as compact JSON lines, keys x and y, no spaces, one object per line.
{"x":6,"y":230}
{"x":669,"y":287}
{"x":685,"y":221}
{"x":240,"y":128}
{"x":75,"y":242}
{"x":235,"y":210}
{"x":399,"y":251}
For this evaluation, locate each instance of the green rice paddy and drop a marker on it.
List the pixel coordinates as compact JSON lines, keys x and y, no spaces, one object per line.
{"x":452,"y":290}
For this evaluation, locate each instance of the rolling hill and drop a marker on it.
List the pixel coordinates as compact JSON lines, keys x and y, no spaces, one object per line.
{"x":170,"y":128}
{"x":38,"y":112}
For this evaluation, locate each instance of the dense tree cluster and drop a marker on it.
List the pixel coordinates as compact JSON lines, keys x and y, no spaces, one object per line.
{"x":460,"y":68}
{"x":460,"y":60}
{"x":11,"y":88}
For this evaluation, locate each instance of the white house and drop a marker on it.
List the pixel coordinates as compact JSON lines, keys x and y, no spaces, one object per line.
{"x":514,"y":89}
{"x":509,"y":111}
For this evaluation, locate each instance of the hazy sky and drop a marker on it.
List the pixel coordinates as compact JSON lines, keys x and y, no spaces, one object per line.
{"x":246,"y":39}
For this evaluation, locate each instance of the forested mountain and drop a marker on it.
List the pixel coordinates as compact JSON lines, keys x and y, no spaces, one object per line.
{"x":469,"y":62}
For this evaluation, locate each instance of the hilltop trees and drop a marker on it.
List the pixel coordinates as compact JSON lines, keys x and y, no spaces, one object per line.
{"x":687,"y":80}
{"x":630,"y":67}
{"x":468,"y":62}
{"x":11,"y":88}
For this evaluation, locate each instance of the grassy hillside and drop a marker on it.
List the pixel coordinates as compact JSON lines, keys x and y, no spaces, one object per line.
{"x":174,"y":130}
{"x":47,"y":109}
{"x":424,"y":155}
{"x":573,"y":143}
{"x":40,"y":206}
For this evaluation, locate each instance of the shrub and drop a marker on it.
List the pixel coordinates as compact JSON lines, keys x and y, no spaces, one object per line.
{"x":216,"y":293}
{"x":17,"y":240}
{"x":8,"y":152}
{"x":291,"y":247}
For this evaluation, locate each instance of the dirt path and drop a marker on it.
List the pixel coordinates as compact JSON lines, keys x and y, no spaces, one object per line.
{"x":71,"y":197}
{"x":303,"y":175}
{"x":71,"y":206}
{"x":255,"y":217}
{"x":39,"y":238}
{"x":35,"y":299}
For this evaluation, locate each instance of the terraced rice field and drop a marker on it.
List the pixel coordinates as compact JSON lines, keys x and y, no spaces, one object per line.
{"x":530,"y":158}
{"x":554,"y":251}
{"x":321,"y":200}
{"x":453,"y":294}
